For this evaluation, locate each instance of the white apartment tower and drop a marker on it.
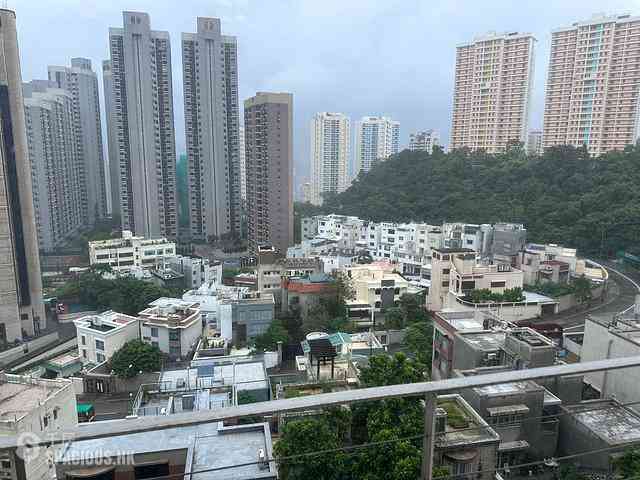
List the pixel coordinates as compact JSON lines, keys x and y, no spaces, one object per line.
{"x":377,"y":138}
{"x":424,"y":141}
{"x":492,"y":92}
{"x":56,"y":165}
{"x":82,"y":83}
{"x":330,"y":148}
{"x":21,"y":307}
{"x":142,"y":122}
{"x":210,"y":73}
{"x":534,"y":143}
{"x":592,"y":94}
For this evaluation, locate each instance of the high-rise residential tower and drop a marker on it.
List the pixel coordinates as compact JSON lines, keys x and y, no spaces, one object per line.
{"x":142,"y":116}
{"x":268,"y":123}
{"x":492,"y":92}
{"x":21,"y":306}
{"x":57,"y":167}
{"x":243,"y":164}
{"x":210,"y":73}
{"x":377,"y":138}
{"x":592,"y":95}
{"x":112,"y":140}
{"x":330,"y":148}
{"x":82,"y":83}
{"x":534,"y":143}
{"x":424,"y":141}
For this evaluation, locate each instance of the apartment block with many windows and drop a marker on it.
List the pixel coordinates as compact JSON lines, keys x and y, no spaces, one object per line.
{"x":377,"y":138}
{"x":142,"y":119}
{"x":424,"y":141}
{"x":492,"y":92}
{"x":592,"y":84}
{"x":210,"y":79}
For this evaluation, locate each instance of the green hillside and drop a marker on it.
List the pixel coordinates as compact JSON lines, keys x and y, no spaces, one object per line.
{"x":562,"y":197}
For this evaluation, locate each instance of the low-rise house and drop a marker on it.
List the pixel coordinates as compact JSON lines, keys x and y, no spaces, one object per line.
{"x":197,"y":271}
{"x":237,"y":314}
{"x":300,"y":294}
{"x":100,"y":336}
{"x":603,"y":427}
{"x":123,"y":253}
{"x":241,"y":452}
{"x":377,"y":286}
{"x":272,"y":268}
{"x":172,"y":325}
{"x":33,"y":407}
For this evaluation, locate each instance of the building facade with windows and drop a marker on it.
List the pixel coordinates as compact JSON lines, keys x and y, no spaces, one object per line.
{"x":268,"y":121}
{"x":141,"y":103}
{"x":123,"y":254}
{"x":82,"y":83}
{"x":330,"y":154}
{"x":172,"y":325}
{"x":211,"y":112}
{"x":377,"y":138}
{"x":591,"y":95}
{"x":21,"y":305}
{"x":424,"y":141}
{"x":492,"y":92}
{"x":100,"y":336}
{"x":56,"y":165}
{"x":534,"y":143}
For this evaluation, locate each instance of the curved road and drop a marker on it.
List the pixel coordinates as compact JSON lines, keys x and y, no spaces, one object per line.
{"x":621,"y":292}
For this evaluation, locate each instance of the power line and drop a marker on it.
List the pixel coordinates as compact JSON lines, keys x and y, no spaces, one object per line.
{"x":355,"y":449}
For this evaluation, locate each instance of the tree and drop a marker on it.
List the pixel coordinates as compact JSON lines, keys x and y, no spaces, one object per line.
{"x":390,"y":370}
{"x":413,"y":307}
{"x":317,"y":319}
{"x":419,"y":341}
{"x":582,"y":289}
{"x":268,"y":341}
{"x":135,"y":356}
{"x":628,"y":465}
{"x":394,"y":318}
{"x":306,"y":436}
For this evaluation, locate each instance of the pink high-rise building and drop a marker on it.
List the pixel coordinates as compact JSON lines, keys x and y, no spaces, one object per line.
{"x":592,"y":85}
{"x":492,"y":95}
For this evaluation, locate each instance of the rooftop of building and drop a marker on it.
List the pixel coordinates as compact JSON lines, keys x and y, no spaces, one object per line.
{"x":20,"y":395}
{"x":454,"y":250}
{"x":607,"y":420}
{"x":246,"y":374}
{"x":504,"y":389}
{"x":64,"y":360}
{"x":105,"y":322}
{"x":461,"y":419}
{"x":172,"y":311}
{"x":487,"y":341}
{"x":467,"y":320}
{"x":167,"y":274}
{"x":206,"y":446}
{"x":126,"y":240}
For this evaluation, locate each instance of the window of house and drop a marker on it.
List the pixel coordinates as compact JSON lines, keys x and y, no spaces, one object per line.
{"x":84,"y":353}
{"x":84,"y":340}
{"x":5,"y":464}
{"x":100,"y":357}
{"x":445,"y":283}
{"x":377,"y":291}
{"x":55,"y":413}
{"x":99,"y":345}
{"x":498,"y":284}
{"x":155,"y":344}
{"x":154,"y":332}
{"x":445,"y":271}
{"x":45,"y":421}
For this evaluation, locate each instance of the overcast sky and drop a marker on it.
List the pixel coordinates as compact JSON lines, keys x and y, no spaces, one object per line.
{"x":359,"y":57}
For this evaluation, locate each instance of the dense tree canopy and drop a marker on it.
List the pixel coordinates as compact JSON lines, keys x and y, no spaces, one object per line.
{"x":134,"y":357}
{"x":124,"y":294}
{"x":563,"y":196}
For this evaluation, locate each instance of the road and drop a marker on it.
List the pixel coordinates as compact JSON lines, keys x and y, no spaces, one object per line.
{"x":620,"y":295}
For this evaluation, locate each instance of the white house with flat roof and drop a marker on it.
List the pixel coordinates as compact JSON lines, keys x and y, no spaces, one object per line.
{"x":172,"y":325}
{"x":130,"y":251}
{"x":33,"y":407}
{"x":100,"y":336}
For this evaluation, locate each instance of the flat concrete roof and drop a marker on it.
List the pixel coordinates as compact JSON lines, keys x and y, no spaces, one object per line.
{"x":210,"y":444}
{"x":245,"y":375}
{"x":18,"y":399}
{"x":507,"y":388}
{"x":485,"y":340}
{"x":615,"y":426}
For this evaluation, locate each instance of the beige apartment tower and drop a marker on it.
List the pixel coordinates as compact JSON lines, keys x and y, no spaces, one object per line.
{"x":592,"y":84}
{"x":268,"y":120}
{"x":21,"y":307}
{"x":492,"y":92}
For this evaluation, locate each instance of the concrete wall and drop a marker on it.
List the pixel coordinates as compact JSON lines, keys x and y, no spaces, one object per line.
{"x":16,"y":353}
